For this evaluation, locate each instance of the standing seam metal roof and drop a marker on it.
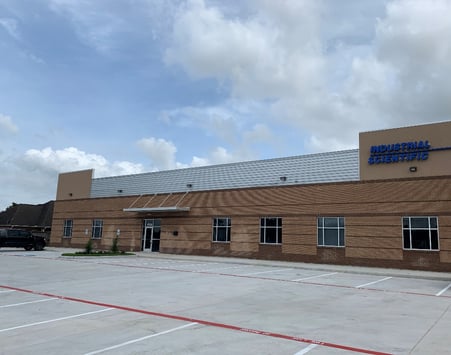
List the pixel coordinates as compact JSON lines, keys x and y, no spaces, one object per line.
{"x":304,"y":169}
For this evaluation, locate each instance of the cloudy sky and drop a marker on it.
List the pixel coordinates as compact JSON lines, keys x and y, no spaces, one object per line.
{"x":132,"y":86}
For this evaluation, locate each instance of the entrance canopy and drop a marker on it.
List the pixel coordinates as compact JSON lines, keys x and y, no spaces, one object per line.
{"x":158,"y":209}
{"x":171,"y":201}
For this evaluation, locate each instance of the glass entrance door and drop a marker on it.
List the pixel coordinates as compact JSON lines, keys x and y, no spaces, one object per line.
{"x":151,"y":235}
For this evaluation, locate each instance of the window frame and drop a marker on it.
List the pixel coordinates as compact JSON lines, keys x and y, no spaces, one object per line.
{"x":340,"y":229}
{"x":97,"y":225}
{"x":430,"y":230}
{"x":277,"y":228}
{"x":216,"y":228}
{"x":68,"y":229}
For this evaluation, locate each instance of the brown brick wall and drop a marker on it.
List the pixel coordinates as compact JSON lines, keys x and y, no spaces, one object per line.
{"x":372,"y":211}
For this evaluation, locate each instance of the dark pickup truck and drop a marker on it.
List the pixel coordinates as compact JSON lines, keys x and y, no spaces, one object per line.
{"x":18,"y":238}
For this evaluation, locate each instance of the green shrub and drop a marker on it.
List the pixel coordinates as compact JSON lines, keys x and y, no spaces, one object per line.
{"x":114,"y":247}
{"x":88,"y":247}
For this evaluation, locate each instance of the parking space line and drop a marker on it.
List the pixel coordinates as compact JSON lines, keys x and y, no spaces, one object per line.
{"x":374,"y":282}
{"x":141,"y":339}
{"x":23,"y":303}
{"x":307,"y":349}
{"x":199,"y":321}
{"x":314,"y":277}
{"x":265,"y":272}
{"x":226,"y":268}
{"x":55,"y":320}
{"x":444,"y":290}
{"x":7,"y":291}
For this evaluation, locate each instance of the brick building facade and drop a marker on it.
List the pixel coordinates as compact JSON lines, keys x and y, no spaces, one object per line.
{"x":395,"y":212}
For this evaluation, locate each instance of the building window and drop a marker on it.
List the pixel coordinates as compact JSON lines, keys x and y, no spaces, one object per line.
{"x":97,"y":227}
{"x":67,"y":229}
{"x":331,"y":231}
{"x":420,"y":233}
{"x":271,"y":230}
{"x":221,"y":229}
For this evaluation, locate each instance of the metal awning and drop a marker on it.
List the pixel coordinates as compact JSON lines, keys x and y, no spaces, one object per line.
{"x":158,"y":209}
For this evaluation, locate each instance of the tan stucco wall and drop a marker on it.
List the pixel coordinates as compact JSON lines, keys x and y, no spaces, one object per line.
{"x":74,"y":185}
{"x":438,"y":163}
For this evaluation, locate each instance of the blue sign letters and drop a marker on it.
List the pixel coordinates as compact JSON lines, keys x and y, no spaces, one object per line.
{"x":399,"y":152}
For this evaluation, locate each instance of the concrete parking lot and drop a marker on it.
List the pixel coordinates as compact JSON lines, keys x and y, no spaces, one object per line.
{"x":168,"y":304}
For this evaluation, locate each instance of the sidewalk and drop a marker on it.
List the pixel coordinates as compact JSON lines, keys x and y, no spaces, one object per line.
{"x":431,"y":275}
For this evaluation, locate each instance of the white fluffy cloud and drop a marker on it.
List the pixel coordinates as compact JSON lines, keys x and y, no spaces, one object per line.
{"x":273,"y":53}
{"x":52,"y":161}
{"x":317,"y":68}
{"x":7,"y":126}
{"x":32,"y":177}
{"x":413,"y":42}
{"x":160,"y":152}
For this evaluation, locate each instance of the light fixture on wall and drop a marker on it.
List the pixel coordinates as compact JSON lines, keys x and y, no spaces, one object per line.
{"x":283,"y":178}
{"x":189,"y":186}
{"x":413,"y":169}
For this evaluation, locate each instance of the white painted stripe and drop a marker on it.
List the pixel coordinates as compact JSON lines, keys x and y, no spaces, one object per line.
{"x":6,"y":291}
{"x":265,"y":272}
{"x":227,"y":268}
{"x":20,"y":304}
{"x":54,"y":320}
{"x":140,"y":339}
{"x":314,"y":277}
{"x":307,"y":349}
{"x":444,"y":290}
{"x":374,"y":282}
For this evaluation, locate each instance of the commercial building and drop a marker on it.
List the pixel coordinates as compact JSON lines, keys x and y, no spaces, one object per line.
{"x":386,"y":204}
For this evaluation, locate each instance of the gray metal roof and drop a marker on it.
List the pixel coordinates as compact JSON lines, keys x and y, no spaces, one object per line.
{"x":298,"y":170}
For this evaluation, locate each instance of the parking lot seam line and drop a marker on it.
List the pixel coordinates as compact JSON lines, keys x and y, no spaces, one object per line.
{"x":203,"y":322}
{"x":265,"y":272}
{"x":141,"y":339}
{"x":306,"y":350}
{"x":314,"y":277}
{"x":56,"y":319}
{"x":24,"y":303}
{"x":430,"y":329}
{"x":412,"y":293}
{"x":374,"y":282}
{"x":278,"y":280}
{"x":300,"y":265}
{"x":444,"y":290}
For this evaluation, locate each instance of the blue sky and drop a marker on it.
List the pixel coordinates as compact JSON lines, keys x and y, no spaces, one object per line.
{"x":131,"y":86}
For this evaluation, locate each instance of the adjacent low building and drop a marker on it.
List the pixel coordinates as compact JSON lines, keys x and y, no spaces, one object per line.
{"x":385,"y":204}
{"x":34,"y":218}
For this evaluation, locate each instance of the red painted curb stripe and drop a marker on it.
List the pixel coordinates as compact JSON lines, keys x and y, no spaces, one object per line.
{"x":203,"y":322}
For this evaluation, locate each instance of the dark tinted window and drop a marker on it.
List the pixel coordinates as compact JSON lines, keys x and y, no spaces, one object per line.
{"x":14,"y":233}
